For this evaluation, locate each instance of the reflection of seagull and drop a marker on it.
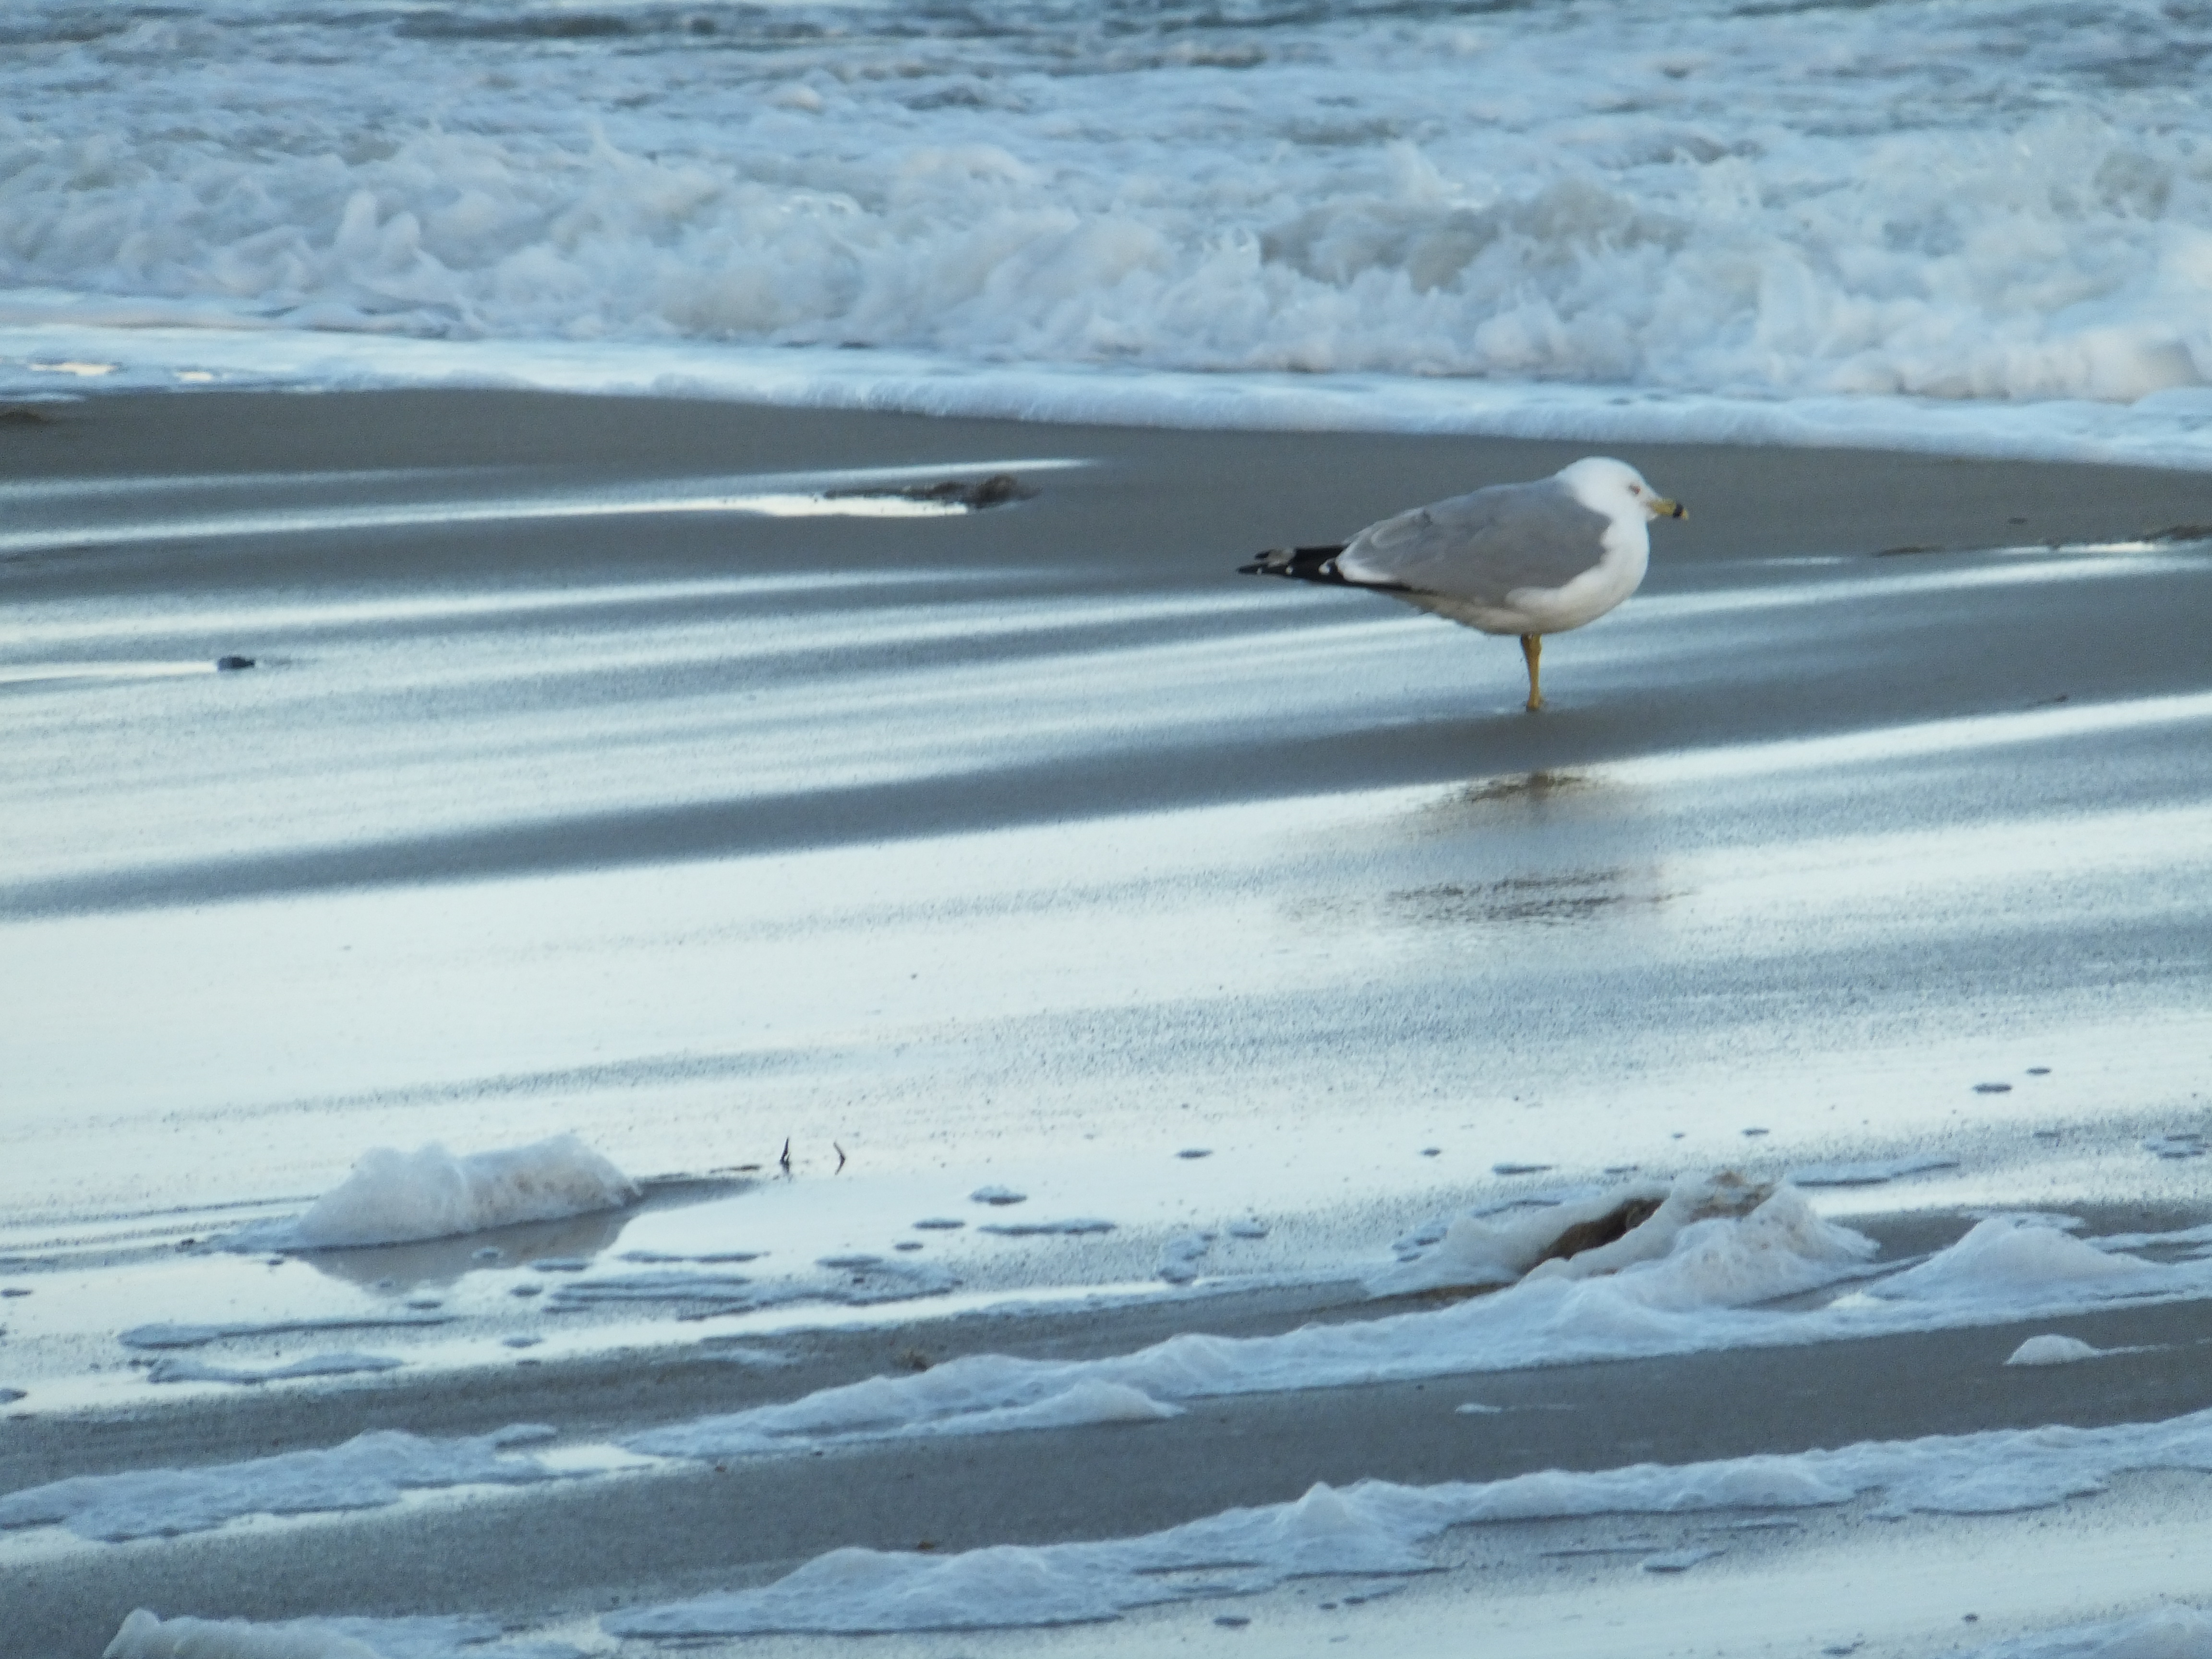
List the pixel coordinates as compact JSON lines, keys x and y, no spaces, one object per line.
{"x":1530,"y":559}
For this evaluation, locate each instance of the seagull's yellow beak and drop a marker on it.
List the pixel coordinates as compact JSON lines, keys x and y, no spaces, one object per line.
{"x":1661,"y":508}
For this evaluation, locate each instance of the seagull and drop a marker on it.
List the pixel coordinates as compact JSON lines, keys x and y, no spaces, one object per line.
{"x":1530,"y":559}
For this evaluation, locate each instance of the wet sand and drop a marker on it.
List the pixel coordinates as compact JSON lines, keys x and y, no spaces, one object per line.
{"x":149,"y":831}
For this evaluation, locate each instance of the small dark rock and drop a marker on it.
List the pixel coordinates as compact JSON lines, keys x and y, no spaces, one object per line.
{"x":1231,"y":1620}
{"x":232,"y":665}
{"x":1993,"y":1088}
{"x":1614,"y":1224}
{"x":974,"y":494}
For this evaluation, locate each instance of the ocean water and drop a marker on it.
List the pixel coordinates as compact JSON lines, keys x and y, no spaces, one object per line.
{"x":1973,"y":226}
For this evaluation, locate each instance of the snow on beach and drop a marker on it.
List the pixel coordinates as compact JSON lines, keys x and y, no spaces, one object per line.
{"x":1973,"y":227}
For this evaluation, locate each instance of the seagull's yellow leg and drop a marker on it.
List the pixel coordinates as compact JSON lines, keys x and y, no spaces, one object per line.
{"x":1532,"y":649}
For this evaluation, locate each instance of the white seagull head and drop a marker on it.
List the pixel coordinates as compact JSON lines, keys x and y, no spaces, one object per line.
{"x":1618,"y":490}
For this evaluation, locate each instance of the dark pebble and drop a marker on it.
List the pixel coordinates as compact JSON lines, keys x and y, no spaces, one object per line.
{"x":232,"y":665}
{"x":1231,"y":1620}
{"x":1993,"y":1088}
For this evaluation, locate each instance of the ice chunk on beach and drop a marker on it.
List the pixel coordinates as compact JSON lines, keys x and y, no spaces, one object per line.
{"x":2052,"y":1350}
{"x":368,"y":1472}
{"x":396,"y":1198}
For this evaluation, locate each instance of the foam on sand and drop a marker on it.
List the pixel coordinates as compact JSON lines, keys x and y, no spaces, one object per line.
{"x":1376,"y":1527}
{"x":1598,"y":1233}
{"x":396,"y":1198}
{"x":2052,"y":1350}
{"x":2164,"y":1632}
{"x":144,"y":1636}
{"x":1701,"y":1293}
{"x":368,"y":1472}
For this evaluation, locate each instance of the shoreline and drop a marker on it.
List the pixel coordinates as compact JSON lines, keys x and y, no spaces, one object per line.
{"x":2166,"y":435}
{"x":1032,"y":846}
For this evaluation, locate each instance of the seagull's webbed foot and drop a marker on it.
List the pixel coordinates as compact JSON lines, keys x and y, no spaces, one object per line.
{"x":1532,"y":651}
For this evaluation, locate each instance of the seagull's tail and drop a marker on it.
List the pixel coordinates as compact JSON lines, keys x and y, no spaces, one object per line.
{"x":1302,"y":564}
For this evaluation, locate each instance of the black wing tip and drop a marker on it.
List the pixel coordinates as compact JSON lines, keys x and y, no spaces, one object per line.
{"x":1304,"y":564}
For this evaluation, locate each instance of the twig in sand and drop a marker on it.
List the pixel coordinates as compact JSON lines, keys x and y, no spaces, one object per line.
{"x":785,"y":1160}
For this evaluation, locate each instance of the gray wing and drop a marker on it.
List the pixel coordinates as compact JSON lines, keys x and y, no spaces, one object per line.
{"x":1482,"y":546}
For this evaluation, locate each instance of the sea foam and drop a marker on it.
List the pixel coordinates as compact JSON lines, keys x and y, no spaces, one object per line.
{"x":1915,"y":221}
{"x":1702,"y":1290}
{"x":394,"y":1198}
{"x":368,"y":1472}
{"x":1377,"y":1526}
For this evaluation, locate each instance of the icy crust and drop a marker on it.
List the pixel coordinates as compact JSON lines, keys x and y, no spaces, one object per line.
{"x":396,"y":1198}
{"x":1700,"y":1294}
{"x":368,"y":1472}
{"x":1376,"y":1527}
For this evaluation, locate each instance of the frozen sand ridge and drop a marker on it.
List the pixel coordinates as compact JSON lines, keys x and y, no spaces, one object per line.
{"x":1376,"y":1527}
{"x":395,"y":1198}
